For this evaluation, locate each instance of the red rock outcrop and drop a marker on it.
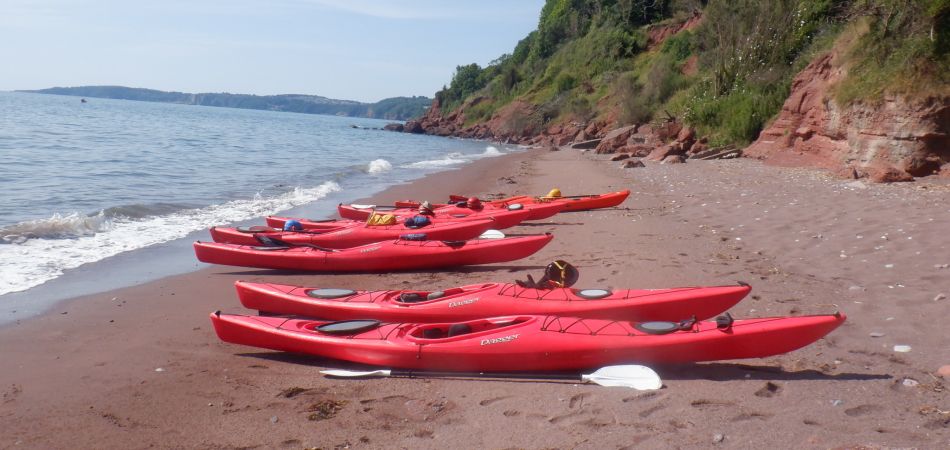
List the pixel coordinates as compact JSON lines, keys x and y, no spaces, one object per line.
{"x":659,"y":33}
{"x":892,"y":141}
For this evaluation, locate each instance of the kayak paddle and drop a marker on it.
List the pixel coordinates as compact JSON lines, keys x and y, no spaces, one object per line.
{"x":641,"y":378}
{"x":492,"y":234}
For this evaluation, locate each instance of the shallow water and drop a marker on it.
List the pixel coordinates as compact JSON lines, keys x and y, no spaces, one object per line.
{"x":83,"y":182}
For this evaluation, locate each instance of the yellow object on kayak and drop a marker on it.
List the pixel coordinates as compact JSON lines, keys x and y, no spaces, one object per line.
{"x":377,"y":219}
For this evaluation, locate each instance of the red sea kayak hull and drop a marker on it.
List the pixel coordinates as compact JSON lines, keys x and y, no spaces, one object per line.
{"x":352,"y":234}
{"x":574,"y":203}
{"x":493,"y":299}
{"x":535,"y":211}
{"x":503,"y":218}
{"x":377,"y":257}
{"x":527,"y":343}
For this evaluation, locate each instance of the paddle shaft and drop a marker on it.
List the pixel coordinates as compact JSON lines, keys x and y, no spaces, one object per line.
{"x":517,"y":376}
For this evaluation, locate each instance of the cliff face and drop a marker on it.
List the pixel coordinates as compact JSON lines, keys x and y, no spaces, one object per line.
{"x":704,"y":83}
{"x":895,"y":140}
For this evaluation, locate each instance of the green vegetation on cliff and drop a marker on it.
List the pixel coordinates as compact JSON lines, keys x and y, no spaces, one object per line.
{"x":397,"y":108}
{"x":724,"y":67}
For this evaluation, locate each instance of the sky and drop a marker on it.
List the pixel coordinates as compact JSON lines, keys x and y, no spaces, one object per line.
{"x":363,"y":50}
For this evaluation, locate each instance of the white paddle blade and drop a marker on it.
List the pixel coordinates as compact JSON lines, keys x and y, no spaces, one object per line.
{"x":356,"y":373}
{"x":359,"y":206}
{"x":492,"y":234}
{"x":641,"y":378}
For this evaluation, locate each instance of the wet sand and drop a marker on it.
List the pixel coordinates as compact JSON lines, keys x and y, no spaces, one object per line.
{"x":141,"y":367}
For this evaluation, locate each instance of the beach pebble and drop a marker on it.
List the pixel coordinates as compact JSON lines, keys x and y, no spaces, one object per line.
{"x":718,"y":437}
{"x":941,"y":266}
{"x":939,"y":297}
{"x":902,"y":348}
{"x":159,"y":369}
{"x":877,"y":334}
{"x":274,"y":419}
{"x":855,"y":288}
{"x":944,"y":371}
{"x":837,"y":402}
{"x":910,"y":382}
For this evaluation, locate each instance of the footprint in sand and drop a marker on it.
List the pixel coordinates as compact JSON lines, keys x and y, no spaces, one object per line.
{"x":861,"y":410}
{"x":703,"y":404}
{"x":490,"y":401}
{"x":649,"y":411}
{"x":747,"y":415}
{"x":769,"y":390}
{"x":640,"y":397}
{"x":577,"y":400}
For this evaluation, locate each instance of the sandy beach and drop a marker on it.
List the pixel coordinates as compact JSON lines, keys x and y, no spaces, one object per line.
{"x":141,"y":367}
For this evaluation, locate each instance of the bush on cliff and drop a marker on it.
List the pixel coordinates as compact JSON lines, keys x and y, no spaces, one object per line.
{"x":630,"y":61}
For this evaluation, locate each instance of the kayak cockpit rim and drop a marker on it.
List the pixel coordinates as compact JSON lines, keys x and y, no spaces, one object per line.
{"x":412,"y":298}
{"x":447,"y":332}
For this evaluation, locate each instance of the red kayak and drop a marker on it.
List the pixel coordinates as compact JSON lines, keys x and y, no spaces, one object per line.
{"x":489,"y":300}
{"x":377,"y":257}
{"x":503,"y":218}
{"x":351,"y":234}
{"x":536,"y":211}
{"x":526,"y":343}
{"x":572,"y":203}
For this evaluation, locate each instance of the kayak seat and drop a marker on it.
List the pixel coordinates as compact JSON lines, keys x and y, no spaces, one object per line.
{"x":411,"y":297}
{"x":435,"y":295}
{"x":433,"y":333}
{"x":459,"y":329}
{"x":270,"y":248}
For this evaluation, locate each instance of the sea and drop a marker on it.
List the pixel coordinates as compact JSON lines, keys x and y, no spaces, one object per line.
{"x":104,"y":194}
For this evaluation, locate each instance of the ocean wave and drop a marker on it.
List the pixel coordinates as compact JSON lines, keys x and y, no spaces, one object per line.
{"x":491,"y":151}
{"x":454,"y":159}
{"x":31,"y":262}
{"x":379,"y":166}
{"x":451,"y":159}
{"x":58,"y":226}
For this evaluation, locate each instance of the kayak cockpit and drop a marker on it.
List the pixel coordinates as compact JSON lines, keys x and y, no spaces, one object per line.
{"x":407,"y":298}
{"x":464,"y":330}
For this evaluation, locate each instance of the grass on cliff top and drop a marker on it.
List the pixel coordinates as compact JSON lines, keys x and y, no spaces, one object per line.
{"x":898,"y":48}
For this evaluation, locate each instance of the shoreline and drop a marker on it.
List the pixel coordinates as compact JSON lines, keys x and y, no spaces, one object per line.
{"x":701,"y":223}
{"x":164,"y":258}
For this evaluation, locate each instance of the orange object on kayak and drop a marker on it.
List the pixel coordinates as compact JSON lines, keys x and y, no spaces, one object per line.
{"x":526,"y":342}
{"x":376,"y":257}
{"x":489,"y":300}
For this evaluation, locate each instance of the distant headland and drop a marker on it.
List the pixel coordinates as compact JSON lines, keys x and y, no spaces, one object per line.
{"x":396,"y":108}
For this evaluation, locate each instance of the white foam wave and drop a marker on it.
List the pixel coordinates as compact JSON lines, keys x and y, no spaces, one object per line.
{"x":379,"y":166}
{"x":59,"y":226}
{"x":436,"y":163}
{"x":491,"y":151}
{"x":35,"y":261}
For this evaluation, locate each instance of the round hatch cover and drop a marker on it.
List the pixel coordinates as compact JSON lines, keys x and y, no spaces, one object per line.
{"x":657,"y":327}
{"x":330,"y":293}
{"x":593,"y":294}
{"x":348,"y":326}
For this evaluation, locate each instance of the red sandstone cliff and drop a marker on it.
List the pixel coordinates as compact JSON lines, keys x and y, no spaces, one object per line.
{"x":895,"y":140}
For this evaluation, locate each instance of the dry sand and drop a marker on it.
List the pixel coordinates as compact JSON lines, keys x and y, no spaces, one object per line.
{"x":141,"y":367}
